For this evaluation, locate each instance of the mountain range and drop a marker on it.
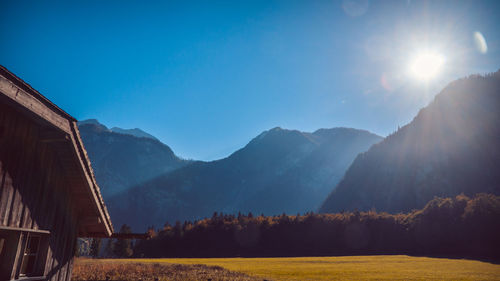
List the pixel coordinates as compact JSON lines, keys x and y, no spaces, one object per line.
{"x":450,"y":147}
{"x":280,"y":171}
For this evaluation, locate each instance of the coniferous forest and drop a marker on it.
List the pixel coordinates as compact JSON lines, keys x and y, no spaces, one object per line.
{"x":453,"y":227}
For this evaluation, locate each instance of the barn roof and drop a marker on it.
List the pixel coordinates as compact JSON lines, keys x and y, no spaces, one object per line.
{"x":61,"y":129}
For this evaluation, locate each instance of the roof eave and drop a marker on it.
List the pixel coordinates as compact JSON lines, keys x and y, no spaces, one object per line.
{"x":22,"y":94}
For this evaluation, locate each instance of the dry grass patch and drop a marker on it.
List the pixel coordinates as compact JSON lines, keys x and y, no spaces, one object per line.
{"x":89,"y":269}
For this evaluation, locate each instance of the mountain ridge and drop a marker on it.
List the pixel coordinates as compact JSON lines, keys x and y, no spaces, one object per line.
{"x":450,"y":147}
{"x":278,"y":171}
{"x":132,"y":132}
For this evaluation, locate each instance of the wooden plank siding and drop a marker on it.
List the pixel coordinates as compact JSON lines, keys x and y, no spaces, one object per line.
{"x":34,"y":190}
{"x":60,"y":132}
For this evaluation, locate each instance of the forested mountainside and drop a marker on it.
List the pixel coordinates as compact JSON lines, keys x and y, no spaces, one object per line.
{"x":278,"y":171}
{"x":452,"y":146}
{"x":122,"y":159}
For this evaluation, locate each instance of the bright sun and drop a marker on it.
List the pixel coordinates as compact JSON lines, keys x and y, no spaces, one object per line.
{"x":426,"y":65}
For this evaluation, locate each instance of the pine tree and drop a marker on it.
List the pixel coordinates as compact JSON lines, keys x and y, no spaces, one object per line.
{"x":123,"y":247}
{"x":178,"y":229}
{"x":108,"y":249}
{"x":95,"y":246}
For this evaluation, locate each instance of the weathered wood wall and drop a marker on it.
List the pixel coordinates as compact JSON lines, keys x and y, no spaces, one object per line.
{"x":34,"y":191}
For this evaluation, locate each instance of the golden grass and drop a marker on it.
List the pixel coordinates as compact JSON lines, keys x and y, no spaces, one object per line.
{"x":344,"y":268}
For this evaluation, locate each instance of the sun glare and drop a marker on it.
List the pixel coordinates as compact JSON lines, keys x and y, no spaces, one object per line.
{"x":426,"y":65}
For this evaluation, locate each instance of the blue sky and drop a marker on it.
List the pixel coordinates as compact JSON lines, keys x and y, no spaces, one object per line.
{"x":205,"y":77}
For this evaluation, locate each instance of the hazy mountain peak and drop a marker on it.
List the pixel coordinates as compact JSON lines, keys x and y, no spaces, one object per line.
{"x":90,"y":121}
{"x":266,"y":133}
{"x":331,"y":132}
{"x":322,"y":131}
{"x":278,"y":135}
{"x":93,"y":122}
{"x":134,"y":132}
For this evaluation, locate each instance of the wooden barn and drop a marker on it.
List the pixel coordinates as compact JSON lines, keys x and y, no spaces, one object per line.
{"x":48,"y":192}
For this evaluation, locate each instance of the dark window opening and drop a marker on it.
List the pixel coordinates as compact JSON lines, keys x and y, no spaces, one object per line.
{"x":23,"y":253}
{"x":30,"y":255}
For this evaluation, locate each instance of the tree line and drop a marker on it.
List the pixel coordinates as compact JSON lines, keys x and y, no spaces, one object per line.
{"x":460,"y":226}
{"x":454,"y":227}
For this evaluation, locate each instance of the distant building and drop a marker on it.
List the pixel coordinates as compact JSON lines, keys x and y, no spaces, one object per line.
{"x":48,"y":192}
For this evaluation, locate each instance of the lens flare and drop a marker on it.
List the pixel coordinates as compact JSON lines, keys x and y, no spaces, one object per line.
{"x":481,"y":45}
{"x":426,"y":65}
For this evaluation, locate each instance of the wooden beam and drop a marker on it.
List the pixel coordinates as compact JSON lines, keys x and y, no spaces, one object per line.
{"x":28,"y":101}
{"x":24,"y":229}
{"x":89,"y":178}
{"x":116,"y":235}
{"x":131,"y":236}
{"x":33,"y":278}
{"x":25,"y":86}
{"x":19,"y":254}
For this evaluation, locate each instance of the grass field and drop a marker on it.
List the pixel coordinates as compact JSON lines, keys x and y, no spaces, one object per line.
{"x":339,"y":268}
{"x":100,"y":270}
